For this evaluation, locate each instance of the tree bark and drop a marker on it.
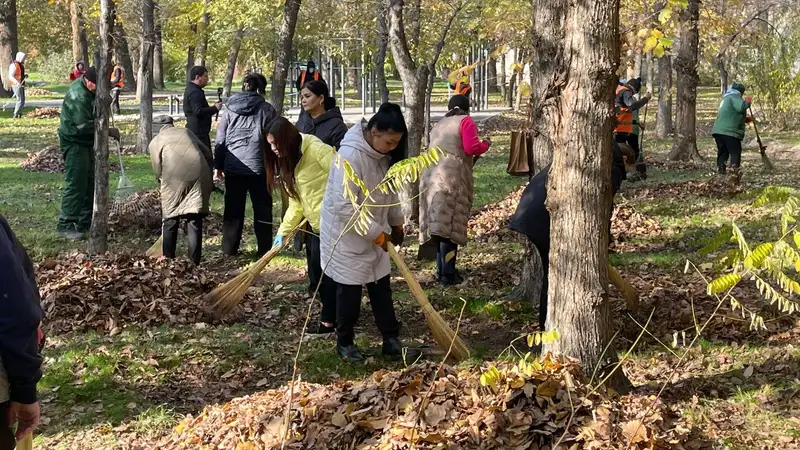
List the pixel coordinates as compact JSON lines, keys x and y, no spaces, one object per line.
{"x":579,"y":190}
{"x":202,"y":38}
{"x":382,"y":37}
{"x":685,"y":144}
{"x":233,"y":56}
{"x":284,"y":53}
{"x":146,"y":76}
{"x":122,"y":54}
{"x":9,"y":41}
{"x":501,"y":81}
{"x":664,"y":124}
{"x":723,"y":74}
{"x":491,"y":73}
{"x":98,"y":232}
{"x":80,"y":44}
{"x":190,"y":53}
{"x":158,"y":59}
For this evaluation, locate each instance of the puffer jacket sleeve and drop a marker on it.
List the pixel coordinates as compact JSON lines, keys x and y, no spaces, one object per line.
{"x":292,"y":218}
{"x":156,"y":148}
{"x":343,"y":208}
{"x":396,"y":217}
{"x":319,"y":151}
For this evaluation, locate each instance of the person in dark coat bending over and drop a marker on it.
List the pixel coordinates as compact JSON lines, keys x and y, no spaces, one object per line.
{"x":533,"y":219}
{"x":20,"y":340}
{"x":195,"y":106}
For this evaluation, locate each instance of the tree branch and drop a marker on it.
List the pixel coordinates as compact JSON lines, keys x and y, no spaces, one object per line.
{"x":721,"y":53}
{"x":397,"y":38}
{"x":442,"y":37}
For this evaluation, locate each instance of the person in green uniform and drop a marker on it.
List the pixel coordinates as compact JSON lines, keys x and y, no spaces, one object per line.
{"x":728,"y":131}
{"x":76,"y":138}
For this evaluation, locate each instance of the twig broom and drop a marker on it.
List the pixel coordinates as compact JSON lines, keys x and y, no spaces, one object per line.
{"x":156,"y":250}
{"x":224,"y":298}
{"x":626,"y":289}
{"x":442,"y":333}
{"x":761,"y":147}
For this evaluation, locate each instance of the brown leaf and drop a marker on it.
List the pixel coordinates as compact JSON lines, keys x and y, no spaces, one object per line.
{"x":635,"y":431}
{"x":548,"y":388}
{"x":339,"y":420}
{"x":434,"y":414}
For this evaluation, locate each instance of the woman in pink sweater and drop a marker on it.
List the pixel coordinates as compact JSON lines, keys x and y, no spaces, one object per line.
{"x":446,"y":189}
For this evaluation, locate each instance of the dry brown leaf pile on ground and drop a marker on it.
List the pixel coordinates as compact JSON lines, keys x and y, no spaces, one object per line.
{"x":393,"y":410}
{"x":44,"y":113}
{"x":504,"y":123}
{"x":142,"y":212}
{"x":490,"y":223}
{"x":627,"y":223}
{"x":50,"y":160}
{"x":33,"y":91}
{"x":108,"y":292}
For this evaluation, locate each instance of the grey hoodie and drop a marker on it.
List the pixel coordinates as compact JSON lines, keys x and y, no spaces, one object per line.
{"x":241,"y":135}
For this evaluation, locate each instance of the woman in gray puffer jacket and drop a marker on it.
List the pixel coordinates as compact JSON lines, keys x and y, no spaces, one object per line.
{"x":239,"y":161}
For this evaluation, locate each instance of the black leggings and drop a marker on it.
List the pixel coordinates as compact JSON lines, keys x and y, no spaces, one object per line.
{"x":446,"y":265}
{"x":348,"y":308}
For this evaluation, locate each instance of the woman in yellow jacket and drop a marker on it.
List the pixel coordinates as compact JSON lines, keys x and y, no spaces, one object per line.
{"x":300,"y":162}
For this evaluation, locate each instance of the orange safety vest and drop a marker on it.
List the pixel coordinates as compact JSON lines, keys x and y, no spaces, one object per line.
{"x":121,"y":82}
{"x":463,"y":87}
{"x":18,"y":73}
{"x":303,"y":77}
{"x":624,"y":114}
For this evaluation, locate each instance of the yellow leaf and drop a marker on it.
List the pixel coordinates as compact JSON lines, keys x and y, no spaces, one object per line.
{"x":643,"y":33}
{"x":650,"y":43}
{"x":517,"y":383}
{"x":548,"y":389}
{"x":657,"y":34}
{"x":658,"y":52}
{"x":517,"y":67}
{"x":245,"y":446}
{"x":525,"y":89}
{"x":665,"y":15}
{"x":339,"y":420}
{"x":449,"y":256}
{"x":530,"y":340}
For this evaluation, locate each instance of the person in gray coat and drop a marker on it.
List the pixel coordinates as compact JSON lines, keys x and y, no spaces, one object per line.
{"x":183,"y":166}
{"x":239,"y":162}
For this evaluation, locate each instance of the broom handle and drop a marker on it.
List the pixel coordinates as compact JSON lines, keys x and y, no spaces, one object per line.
{"x":416,"y":289}
{"x":625,"y":288}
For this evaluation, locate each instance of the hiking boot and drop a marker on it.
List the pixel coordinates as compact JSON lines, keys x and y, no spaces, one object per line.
{"x":393,"y":350}
{"x":453,"y":280}
{"x":72,"y":235}
{"x":323,"y":329}
{"x":350,"y":353}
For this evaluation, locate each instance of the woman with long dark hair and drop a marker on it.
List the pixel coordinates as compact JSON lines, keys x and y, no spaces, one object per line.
{"x":320,"y":115}
{"x":301,"y":163}
{"x":446,"y":189}
{"x":351,"y":259}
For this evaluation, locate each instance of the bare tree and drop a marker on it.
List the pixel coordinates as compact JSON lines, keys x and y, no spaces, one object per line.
{"x":284,"y":53}
{"x":80,"y":44}
{"x":158,"y":58}
{"x":382,"y":38}
{"x":664,"y":124}
{"x":146,"y":76}
{"x":9,"y":44}
{"x":579,"y":188}
{"x":685,"y":144}
{"x":98,"y":233}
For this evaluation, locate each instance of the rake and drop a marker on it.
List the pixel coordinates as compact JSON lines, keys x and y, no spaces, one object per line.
{"x":442,"y":333}
{"x":761,"y":147}
{"x":224,"y":298}
{"x":125,"y":187}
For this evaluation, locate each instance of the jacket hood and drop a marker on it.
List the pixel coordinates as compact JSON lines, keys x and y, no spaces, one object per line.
{"x":20,"y":57}
{"x":732,"y":91}
{"x":81,"y":63}
{"x":333,"y":113}
{"x":245,"y":103}
{"x":355,"y":138}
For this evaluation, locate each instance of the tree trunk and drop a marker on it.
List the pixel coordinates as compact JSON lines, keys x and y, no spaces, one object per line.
{"x":579,"y":190}
{"x":98,"y":232}
{"x":491,"y":73}
{"x":382,"y":37}
{"x":122,"y":54}
{"x":233,"y":56}
{"x":501,"y":81}
{"x":284,"y":53}
{"x":80,"y":44}
{"x":723,"y":74}
{"x":685,"y":145}
{"x":9,"y":43}
{"x":664,"y":124}
{"x":146,"y":76}
{"x":190,"y":53}
{"x":158,"y":60}
{"x":650,"y":73}
{"x":202,"y":39}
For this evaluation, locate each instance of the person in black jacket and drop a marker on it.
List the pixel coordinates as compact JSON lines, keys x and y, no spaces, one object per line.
{"x":310,"y":74}
{"x":239,"y":162}
{"x":195,"y":106}
{"x":320,"y":115}
{"x":533,"y":219}
{"x":20,"y":338}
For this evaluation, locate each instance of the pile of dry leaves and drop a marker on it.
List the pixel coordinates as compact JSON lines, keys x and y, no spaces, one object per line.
{"x":421,"y":407}
{"x":142,"y":212}
{"x":627,"y":223}
{"x":38,"y":92}
{"x":110,"y":291}
{"x":490,"y":223}
{"x":504,"y":123}
{"x":44,"y":113}
{"x":51,"y":160}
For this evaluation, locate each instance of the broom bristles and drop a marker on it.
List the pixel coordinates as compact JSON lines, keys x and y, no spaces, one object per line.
{"x":156,"y":250}
{"x":442,"y":333}
{"x":224,"y":298}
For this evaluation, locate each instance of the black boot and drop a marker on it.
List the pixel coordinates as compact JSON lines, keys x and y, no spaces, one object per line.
{"x":393,"y":349}
{"x":350,"y":353}
{"x":453,"y":280}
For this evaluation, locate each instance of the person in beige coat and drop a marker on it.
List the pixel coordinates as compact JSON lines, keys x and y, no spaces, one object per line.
{"x":446,"y":189}
{"x":183,"y":165}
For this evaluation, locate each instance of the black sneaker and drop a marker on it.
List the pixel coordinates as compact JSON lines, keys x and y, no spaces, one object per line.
{"x":451,"y":280}
{"x":323,"y":329}
{"x":350,"y":353}
{"x":393,"y":350}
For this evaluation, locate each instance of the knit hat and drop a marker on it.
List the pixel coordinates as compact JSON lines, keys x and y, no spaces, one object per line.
{"x":162,"y":120}
{"x":91,"y":75}
{"x":739,"y":87}
{"x":636,"y":84}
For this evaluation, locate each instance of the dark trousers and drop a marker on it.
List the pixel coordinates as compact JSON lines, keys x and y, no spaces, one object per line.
{"x":633,"y":141}
{"x":205,"y":138}
{"x":348,"y":308}
{"x":236,"y":190}
{"x":728,"y":147}
{"x":7,"y":441}
{"x":544,"y":254}
{"x":115,"y":100}
{"x":194,"y":233}
{"x":446,"y":267}
{"x":77,"y":201}
{"x":315,"y":275}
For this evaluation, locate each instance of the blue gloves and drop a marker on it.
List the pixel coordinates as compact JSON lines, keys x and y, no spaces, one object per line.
{"x":278,"y":242}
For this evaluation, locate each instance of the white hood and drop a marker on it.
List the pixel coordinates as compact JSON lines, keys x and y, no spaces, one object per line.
{"x":20,"y":57}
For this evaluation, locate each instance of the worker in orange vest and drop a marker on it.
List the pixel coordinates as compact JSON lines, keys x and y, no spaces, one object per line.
{"x":462,"y":87}
{"x":16,"y":79}
{"x":311,"y":73}
{"x":626,"y":106}
{"x":117,"y":83}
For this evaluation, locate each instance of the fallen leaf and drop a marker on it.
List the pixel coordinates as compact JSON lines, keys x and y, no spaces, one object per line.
{"x":635,"y":431}
{"x":339,"y":420}
{"x":434,"y":414}
{"x":262,"y":382}
{"x":748,"y":372}
{"x":548,"y":388}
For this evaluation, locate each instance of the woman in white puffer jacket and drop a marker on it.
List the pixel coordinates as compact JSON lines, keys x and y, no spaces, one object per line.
{"x":350,"y":259}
